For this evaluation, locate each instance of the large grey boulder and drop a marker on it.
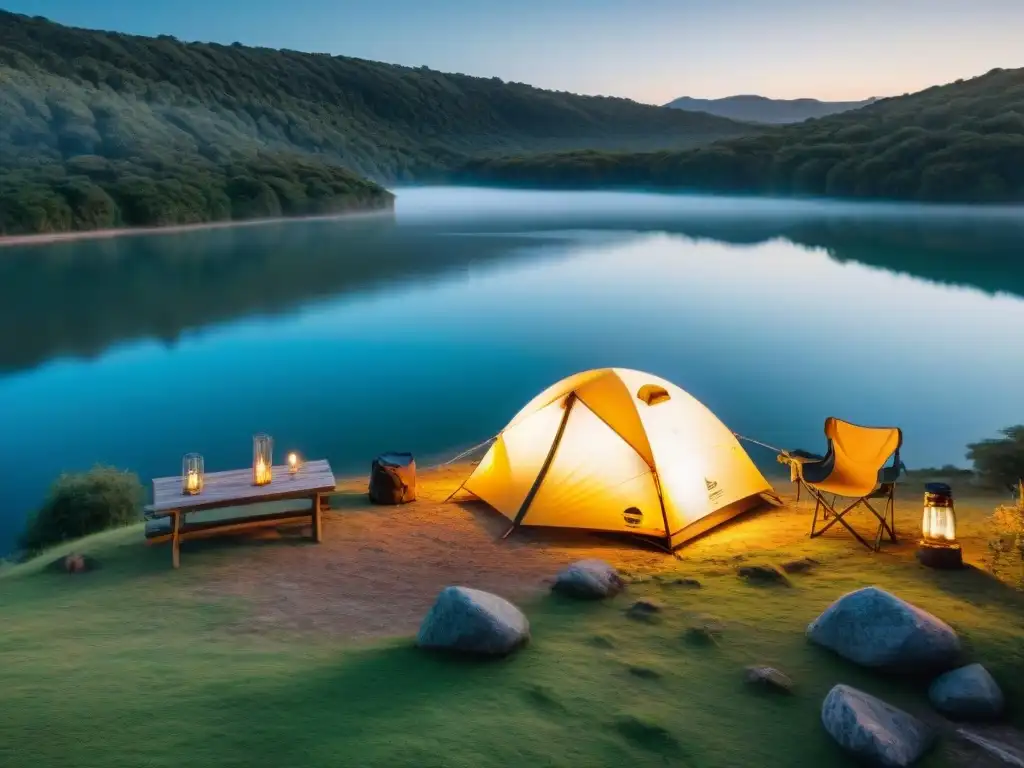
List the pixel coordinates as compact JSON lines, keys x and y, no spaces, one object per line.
{"x":475,"y":622}
{"x":877,"y":629}
{"x":871,"y":729}
{"x":589,"y":579}
{"x":968,"y":692}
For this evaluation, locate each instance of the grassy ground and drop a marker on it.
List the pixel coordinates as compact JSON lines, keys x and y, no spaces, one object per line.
{"x":124,"y":667}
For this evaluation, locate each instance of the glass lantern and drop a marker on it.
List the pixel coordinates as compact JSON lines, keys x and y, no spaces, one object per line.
{"x":191,"y":474}
{"x":938,"y":547}
{"x":262,"y":459}
{"x":938,"y":523}
{"x":293,"y":463}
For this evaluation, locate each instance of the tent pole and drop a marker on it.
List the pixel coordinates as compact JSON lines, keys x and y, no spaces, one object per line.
{"x":664,"y":514}
{"x":569,"y":402}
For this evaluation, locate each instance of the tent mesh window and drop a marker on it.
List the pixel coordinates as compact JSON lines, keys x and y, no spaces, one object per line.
{"x":652,"y":394}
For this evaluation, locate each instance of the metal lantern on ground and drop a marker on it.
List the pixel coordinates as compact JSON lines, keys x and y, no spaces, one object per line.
{"x":938,"y":547}
{"x":262,"y":459}
{"x":192,"y":474}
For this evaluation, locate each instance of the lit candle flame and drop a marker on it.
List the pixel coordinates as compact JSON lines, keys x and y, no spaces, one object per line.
{"x":262,"y":472}
{"x":293,"y":462}
{"x":192,"y":480}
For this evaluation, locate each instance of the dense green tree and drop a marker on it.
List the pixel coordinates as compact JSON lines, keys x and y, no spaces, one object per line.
{"x":1000,"y":461}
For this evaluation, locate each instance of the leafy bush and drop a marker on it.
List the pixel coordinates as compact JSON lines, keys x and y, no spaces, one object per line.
{"x":83,"y":503}
{"x":1000,"y":462}
{"x":1006,"y":541}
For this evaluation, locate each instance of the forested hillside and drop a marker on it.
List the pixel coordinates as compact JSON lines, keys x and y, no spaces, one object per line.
{"x":195,"y":115}
{"x":88,"y":192}
{"x":962,"y":142}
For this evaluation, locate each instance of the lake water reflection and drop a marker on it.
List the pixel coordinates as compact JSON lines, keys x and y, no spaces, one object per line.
{"x":427,"y":331}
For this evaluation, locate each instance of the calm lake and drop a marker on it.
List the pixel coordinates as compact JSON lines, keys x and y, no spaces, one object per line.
{"x":426,"y":331}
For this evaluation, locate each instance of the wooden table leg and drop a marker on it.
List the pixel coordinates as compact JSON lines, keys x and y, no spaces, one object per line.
{"x":175,"y":558}
{"x":318,"y":531}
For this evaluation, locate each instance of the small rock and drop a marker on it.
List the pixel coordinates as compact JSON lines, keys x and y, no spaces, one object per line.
{"x":544,"y":697}
{"x":873,"y":730}
{"x":644,"y":610}
{"x":473,"y":621}
{"x":589,"y":579}
{"x":646,"y":735}
{"x":769,"y":677}
{"x":74,"y":563}
{"x":705,"y":630}
{"x":682,"y":582}
{"x":874,"y":628}
{"x":645,"y":673}
{"x":968,"y":692}
{"x":762,"y":574}
{"x":803,"y":565}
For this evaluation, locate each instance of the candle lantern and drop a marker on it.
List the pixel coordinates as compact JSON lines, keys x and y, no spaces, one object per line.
{"x":262,"y":459}
{"x":192,"y":474}
{"x":293,"y":463}
{"x":938,"y":547}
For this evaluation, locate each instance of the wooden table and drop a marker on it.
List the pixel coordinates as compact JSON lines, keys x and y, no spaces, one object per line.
{"x":235,"y":488}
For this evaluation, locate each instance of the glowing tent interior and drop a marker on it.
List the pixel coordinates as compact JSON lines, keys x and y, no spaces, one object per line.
{"x":619,"y":450}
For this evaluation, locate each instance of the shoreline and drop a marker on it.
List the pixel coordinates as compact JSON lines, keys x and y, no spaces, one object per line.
{"x":51,"y":238}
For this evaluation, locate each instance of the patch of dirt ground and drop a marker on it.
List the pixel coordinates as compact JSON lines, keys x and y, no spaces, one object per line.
{"x":378,"y":569}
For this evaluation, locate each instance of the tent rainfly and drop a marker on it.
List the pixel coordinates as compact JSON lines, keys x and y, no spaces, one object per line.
{"x":615,"y":449}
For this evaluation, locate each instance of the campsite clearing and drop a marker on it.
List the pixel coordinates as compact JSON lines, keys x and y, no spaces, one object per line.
{"x":271,"y":650}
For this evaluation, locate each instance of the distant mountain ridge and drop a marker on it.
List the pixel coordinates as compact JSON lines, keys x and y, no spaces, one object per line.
{"x":761,"y":109}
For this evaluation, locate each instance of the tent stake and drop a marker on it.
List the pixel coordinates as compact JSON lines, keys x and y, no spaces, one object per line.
{"x":452,"y":494}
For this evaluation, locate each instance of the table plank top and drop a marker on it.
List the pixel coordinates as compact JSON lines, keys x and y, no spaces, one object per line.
{"x":236,"y":486}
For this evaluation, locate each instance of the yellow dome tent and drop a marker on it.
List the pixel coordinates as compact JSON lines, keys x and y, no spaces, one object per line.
{"x":615,"y":449}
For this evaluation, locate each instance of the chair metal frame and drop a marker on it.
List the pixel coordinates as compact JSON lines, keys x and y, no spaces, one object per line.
{"x":885,"y":489}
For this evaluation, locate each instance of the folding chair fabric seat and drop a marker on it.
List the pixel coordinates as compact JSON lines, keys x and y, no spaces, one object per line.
{"x":854,"y":467}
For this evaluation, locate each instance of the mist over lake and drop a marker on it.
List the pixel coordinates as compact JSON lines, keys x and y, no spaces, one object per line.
{"x":426,"y":331}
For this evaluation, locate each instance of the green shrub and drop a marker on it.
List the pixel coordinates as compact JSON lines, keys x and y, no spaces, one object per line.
{"x":1006,"y":541}
{"x":83,"y":503}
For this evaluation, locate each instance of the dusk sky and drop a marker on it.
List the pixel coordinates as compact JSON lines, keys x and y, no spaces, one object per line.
{"x":648,"y":50}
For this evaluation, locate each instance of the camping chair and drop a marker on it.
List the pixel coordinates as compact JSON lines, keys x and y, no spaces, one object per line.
{"x":854,"y":468}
